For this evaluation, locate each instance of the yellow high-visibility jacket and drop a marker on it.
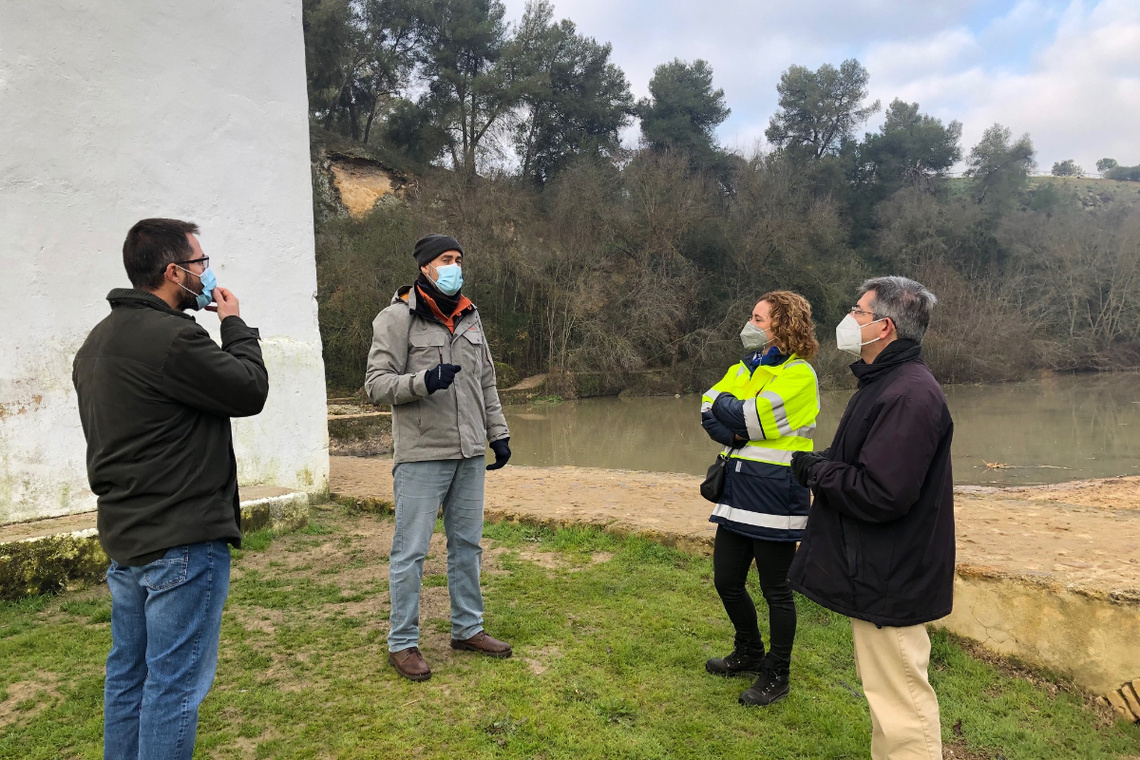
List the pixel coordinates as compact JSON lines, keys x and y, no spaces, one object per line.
{"x":774,"y":409}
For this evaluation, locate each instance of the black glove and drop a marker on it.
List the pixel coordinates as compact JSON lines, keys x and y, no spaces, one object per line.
{"x":803,"y":461}
{"x":502,"y":453}
{"x":441,"y":377}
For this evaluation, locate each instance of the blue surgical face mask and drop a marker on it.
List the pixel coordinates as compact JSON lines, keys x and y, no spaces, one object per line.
{"x":209,"y":282}
{"x":449,"y":278}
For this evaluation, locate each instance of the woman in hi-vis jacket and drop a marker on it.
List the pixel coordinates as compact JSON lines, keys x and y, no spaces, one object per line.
{"x":763,"y":411}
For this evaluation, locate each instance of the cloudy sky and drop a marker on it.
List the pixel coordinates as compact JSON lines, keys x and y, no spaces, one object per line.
{"x":1068,"y":73}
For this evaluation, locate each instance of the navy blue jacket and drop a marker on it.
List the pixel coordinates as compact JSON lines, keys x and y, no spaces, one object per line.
{"x":879,"y":544}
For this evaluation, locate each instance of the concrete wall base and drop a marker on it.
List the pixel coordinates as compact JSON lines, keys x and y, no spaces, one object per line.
{"x":56,"y":561}
{"x":277,"y":509}
{"x":1088,"y":638}
{"x":49,"y":564}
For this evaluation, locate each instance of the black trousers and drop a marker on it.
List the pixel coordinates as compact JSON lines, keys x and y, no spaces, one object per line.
{"x":733,"y":555}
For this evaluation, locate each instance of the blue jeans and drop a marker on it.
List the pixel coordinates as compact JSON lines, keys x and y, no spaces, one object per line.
{"x":420,"y":489}
{"x":166,"y":619}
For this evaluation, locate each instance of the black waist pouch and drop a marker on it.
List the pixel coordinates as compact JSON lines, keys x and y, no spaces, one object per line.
{"x":713,"y":486}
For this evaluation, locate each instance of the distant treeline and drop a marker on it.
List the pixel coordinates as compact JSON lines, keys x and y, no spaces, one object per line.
{"x":1108,"y":168}
{"x":586,"y":257}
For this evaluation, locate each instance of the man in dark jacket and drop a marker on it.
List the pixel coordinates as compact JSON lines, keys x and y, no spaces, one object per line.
{"x":156,"y":394}
{"x":879,"y":545}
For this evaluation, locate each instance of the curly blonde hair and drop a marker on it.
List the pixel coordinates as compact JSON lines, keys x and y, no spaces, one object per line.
{"x":792,"y":327}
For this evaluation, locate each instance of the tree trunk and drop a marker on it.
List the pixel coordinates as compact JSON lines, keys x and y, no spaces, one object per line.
{"x":352,"y":117}
{"x":368,"y":123}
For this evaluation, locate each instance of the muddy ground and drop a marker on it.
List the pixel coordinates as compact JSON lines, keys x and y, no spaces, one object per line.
{"x":1084,"y":536}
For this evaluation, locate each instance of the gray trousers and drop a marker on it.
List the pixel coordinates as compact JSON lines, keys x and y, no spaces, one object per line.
{"x":421,"y":488}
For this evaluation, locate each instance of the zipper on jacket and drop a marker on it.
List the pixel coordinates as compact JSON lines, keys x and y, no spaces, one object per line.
{"x":850,"y":547}
{"x":458,"y":420}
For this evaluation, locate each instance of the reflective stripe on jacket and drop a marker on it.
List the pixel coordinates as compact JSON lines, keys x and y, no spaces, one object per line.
{"x":774,"y":408}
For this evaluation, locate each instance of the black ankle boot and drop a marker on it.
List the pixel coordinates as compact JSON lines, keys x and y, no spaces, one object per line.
{"x":741,"y":662}
{"x":771,"y":686}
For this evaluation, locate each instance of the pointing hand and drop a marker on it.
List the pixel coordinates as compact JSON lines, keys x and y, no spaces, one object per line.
{"x":441,"y":377}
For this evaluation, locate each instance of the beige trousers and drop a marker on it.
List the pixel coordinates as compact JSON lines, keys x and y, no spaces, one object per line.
{"x":892,"y":663}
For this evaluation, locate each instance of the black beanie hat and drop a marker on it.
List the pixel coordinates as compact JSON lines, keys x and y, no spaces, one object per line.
{"x":430,"y":246}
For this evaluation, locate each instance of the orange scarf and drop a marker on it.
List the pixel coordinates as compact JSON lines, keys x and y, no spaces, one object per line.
{"x":447,"y":320}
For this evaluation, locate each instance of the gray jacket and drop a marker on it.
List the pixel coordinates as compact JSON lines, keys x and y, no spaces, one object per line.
{"x":453,"y":423}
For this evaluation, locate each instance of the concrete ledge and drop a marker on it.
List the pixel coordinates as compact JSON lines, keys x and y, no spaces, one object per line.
{"x":274,"y":508}
{"x":49,"y":564}
{"x":49,"y":556}
{"x":1092,"y":640}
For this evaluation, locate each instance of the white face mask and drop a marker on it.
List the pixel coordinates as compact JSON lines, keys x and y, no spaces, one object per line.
{"x":849,"y":335}
{"x":754,"y":338}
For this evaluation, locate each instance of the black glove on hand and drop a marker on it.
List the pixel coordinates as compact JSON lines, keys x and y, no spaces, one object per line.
{"x":441,"y":377}
{"x":502,"y":453}
{"x":803,"y":461}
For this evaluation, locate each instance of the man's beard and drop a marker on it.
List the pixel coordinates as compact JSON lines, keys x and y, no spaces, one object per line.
{"x":189,"y":298}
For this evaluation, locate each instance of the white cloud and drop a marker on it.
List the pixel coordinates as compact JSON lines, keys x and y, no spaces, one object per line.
{"x":1027,"y":21}
{"x":898,"y":61}
{"x":1078,"y":97}
{"x":748,"y":42}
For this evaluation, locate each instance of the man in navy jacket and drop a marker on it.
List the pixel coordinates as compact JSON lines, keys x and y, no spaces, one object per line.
{"x":879,"y":545}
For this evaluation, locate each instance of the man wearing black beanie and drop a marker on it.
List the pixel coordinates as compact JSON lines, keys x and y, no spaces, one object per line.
{"x":430,"y":247}
{"x":430,"y":361}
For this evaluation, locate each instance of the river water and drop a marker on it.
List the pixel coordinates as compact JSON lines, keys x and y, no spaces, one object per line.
{"x":1042,"y":431}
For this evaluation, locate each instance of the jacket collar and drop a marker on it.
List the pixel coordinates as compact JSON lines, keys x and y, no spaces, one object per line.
{"x":769,"y":357}
{"x":774,"y":369}
{"x":406,"y":294}
{"x":135,"y":299}
{"x":900,"y":351}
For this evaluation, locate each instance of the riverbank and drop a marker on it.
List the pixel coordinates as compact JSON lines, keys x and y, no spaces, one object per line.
{"x":1083,"y":535}
{"x":609,"y":635}
{"x":1049,"y":574}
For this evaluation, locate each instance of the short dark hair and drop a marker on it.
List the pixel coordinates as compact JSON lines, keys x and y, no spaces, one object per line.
{"x":906,"y":302}
{"x":151,"y":245}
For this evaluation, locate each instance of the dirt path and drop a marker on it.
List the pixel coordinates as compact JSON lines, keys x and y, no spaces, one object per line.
{"x":1084,"y":536}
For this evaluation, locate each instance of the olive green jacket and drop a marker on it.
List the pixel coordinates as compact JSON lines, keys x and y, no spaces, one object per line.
{"x":156,"y":395}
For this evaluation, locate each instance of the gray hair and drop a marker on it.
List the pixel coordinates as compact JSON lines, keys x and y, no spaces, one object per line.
{"x":906,"y":302}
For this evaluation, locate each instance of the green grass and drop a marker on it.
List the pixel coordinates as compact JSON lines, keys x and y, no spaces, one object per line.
{"x":610,"y":638}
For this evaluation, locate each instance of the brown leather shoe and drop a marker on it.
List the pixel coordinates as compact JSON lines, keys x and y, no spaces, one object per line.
{"x":410,"y":664}
{"x":483,"y":644}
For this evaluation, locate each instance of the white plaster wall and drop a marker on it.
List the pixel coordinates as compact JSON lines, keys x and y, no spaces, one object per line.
{"x":115,"y":111}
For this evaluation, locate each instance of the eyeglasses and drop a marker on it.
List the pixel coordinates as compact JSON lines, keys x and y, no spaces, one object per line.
{"x":204,"y":261}
{"x":856,"y":311}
